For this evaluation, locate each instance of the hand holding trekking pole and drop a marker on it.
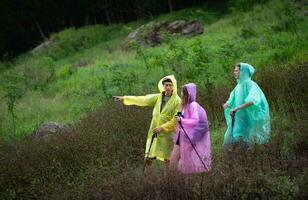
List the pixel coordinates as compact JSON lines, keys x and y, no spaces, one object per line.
{"x":177,"y":118}
{"x":232,"y":112}
{"x":157,"y":130}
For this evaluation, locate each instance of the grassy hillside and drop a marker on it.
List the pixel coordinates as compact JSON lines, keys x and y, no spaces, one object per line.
{"x":85,"y":67}
{"x":101,"y":156}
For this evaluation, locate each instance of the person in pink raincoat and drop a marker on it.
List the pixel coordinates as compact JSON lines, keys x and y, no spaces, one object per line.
{"x":193,"y":118}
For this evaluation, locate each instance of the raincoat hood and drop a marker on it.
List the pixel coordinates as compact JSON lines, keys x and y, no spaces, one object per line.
{"x":192,"y":92}
{"x":161,"y":87}
{"x":246,"y":72}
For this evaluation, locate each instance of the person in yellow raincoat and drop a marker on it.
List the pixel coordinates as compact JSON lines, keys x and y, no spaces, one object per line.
{"x":166,"y":105}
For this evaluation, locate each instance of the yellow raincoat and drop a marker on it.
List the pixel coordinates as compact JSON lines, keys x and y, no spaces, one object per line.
{"x":162,"y":145}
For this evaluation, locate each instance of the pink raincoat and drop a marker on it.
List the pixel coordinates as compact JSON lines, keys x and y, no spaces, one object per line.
{"x":196,"y":126}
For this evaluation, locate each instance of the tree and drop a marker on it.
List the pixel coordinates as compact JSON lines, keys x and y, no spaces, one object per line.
{"x":13,"y":90}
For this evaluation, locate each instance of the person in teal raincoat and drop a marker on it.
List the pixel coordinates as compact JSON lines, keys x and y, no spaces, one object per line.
{"x":248,"y":108}
{"x":166,"y":104}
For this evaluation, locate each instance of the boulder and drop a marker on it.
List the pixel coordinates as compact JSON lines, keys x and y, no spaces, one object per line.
{"x":192,"y":28}
{"x":176,"y":26}
{"x":42,"y":47}
{"x":48,"y":129}
{"x":149,"y":34}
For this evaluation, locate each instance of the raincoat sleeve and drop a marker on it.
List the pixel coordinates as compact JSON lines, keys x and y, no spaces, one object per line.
{"x":170,"y":125}
{"x":231,"y":98}
{"x":190,"y":123}
{"x":194,"y":117}
{"x":147,"y":100}
{"x":253,"y":95}
{"x":230,"y":103}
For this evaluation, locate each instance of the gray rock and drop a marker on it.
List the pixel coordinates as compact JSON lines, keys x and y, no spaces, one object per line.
{"x":193,"y":28}
{"x":135,"y":34}
{"x":42,"y":47}
{"x":153,"y":39}
{"x":47,"y":129}
{"x":149,"y":34}
{"x":176,"y":26}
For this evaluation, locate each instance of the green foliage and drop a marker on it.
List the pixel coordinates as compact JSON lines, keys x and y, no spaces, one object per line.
{"x":71,"y":41}
{"x":248,"y":29}
{"x":207,"y":15}
{"x":38,"y":73}
{"x":287,"y":17}
{"x":243,"y":5}
{"x":2,"y":66}
{"x":140,"y":52}
{"x":124,"y":81}
{"x":13,"y":91}
{"x":302,"y":183}
{"x":64,"y":72}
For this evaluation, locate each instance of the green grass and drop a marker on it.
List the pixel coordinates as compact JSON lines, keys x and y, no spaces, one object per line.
{"x":86,"y":66}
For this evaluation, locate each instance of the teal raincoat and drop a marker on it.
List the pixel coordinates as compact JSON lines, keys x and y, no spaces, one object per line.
{"x":252,"y":124}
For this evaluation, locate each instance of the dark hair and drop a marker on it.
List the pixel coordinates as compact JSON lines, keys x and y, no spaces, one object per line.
{"x":166,"y":80}
{"x":238,"y":65}
{"x":184,"y":98}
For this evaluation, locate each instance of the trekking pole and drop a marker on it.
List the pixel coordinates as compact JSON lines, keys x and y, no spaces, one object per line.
{"x":233,"y":120}
{"x":229,"y":149}
{"x":232,"y":123}
{"x":147,"y":157}
{"x":193,"y":146}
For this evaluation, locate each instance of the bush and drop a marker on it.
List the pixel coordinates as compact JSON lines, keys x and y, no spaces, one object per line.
{"x":64,"y":72}
{"x":2,"y":66}
{"x":71,"y":41}
{"x":38,"y":73}
{"x":243,"y":5}
{"x":248,"y":29}
{"x":287,"y":18}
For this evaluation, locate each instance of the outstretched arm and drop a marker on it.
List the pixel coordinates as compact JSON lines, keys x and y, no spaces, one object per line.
{"x":147,"y":100}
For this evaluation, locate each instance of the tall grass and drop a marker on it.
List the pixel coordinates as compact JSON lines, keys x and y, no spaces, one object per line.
{"x":101,"y":157}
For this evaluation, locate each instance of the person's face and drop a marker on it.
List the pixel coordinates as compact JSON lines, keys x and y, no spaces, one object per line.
{"x":236,"y":72}
{"x":168,"y":88}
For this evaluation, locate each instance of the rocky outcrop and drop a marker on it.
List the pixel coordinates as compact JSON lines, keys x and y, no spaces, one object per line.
{"x":150,"y":34}
{"x":42,"y":47}
{"x":48,"y":129}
